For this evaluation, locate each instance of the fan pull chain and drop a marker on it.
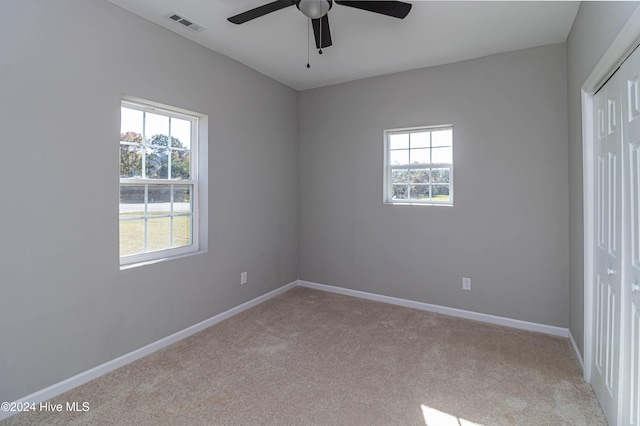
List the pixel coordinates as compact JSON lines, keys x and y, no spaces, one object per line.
{"x":308,"y":42}
{"x":320,"y":23}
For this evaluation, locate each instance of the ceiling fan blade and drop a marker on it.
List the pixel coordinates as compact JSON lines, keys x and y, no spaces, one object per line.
{"x":326,"y":32}
{"x":260,"y":11}
{"x":397,"y":9}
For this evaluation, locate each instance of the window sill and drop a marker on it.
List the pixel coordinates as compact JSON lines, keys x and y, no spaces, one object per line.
{"x":126,"y":266}
{"x":402,"y":203}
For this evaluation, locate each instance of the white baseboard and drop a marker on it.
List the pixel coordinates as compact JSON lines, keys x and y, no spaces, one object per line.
{"x":491,"y":319}
{"x":574,"y":345}
{"x":86,"y":376}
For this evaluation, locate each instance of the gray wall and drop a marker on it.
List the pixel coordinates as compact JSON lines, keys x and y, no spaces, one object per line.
{"x":594,"y":28}
{"x":508,"y":229}
{"x":64,"y":305}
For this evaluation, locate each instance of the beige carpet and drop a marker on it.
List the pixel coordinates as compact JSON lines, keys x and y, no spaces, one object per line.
{"x":313,"y":358}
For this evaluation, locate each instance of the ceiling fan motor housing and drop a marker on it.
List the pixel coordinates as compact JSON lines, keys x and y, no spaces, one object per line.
{"x":314,"y":9}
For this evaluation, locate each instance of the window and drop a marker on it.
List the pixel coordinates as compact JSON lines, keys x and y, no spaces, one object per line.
{"x":158,"y":182}
{"x":419,"y":165}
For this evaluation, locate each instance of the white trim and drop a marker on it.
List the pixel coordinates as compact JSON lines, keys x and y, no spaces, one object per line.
{"x":588,"y":180}
{"x":574,"y":345}
{"x":141,"y":104}
{"x":616,"y":53}
{"x":476,"y":316}
{"x":93,"y":373}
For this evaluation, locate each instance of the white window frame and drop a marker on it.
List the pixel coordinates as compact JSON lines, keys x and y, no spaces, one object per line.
{"x":388,"y":168}
{"x":194,"y":118}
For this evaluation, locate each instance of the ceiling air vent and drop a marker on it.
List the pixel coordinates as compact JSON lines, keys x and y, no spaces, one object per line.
{"x":185,"y":22}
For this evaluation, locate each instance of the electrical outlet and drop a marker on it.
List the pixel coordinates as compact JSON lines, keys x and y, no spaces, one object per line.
{"x":466,"y":283}
{"x":243,"y":278}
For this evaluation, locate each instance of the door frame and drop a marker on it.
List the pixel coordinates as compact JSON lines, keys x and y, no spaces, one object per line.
{"x":624,"y":43}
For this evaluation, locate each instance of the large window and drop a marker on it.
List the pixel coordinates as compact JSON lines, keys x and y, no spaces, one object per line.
{"x":419,"y":165}
{"x":158,"y":182}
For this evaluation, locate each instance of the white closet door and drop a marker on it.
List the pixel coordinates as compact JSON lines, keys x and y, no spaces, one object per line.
{"x":630,"y":73}
{"x":606,"y":360}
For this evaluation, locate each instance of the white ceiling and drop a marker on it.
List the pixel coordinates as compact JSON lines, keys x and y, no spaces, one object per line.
{"x":365,"y":44}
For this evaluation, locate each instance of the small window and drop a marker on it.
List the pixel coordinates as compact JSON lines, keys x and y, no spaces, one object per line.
{"x":158,"y":182}
{"x":419,"y":165}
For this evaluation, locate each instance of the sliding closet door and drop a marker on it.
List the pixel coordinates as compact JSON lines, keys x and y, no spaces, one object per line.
{"x":606,"y":350}
{"x":630,"y":71}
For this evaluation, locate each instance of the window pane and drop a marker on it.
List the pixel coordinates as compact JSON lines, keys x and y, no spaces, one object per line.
{"x":440,"y":192}
{"x":399,"y":192}
{"x":180,"y":165}
{"x":399,"y":157}
{"x":158,"y":233}
{"x":131,"y":201}
{"x":131,"y":236}
{"x":181,"y":231}
{"x":400,"y":176}
{"x":130,"y":136}
{"x":159,"y":140}
{"x":130,"y":121}
{"x":440,"y":176}
{"x":420,"y":176}
{"x":420,"y":156}
{"x":131,"y":231}
{"x":181,"y":133}
{"x":442,"y":138}
{"x":442,"y":155}
{"x":419,"y":192}
{"x":420,"y":140}
{"x":399,"y":141}
{"x":157,"y":163}
{"x":156,"y":125}
{"x":130,"y":161}
{"x":181,"y":199}
{"x":159,"y":199}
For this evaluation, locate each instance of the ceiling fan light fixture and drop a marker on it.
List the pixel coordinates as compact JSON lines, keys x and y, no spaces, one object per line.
{"x":314,"y":9}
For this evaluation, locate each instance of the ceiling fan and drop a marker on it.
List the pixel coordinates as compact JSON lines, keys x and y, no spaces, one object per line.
{"x":316,"y":10}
